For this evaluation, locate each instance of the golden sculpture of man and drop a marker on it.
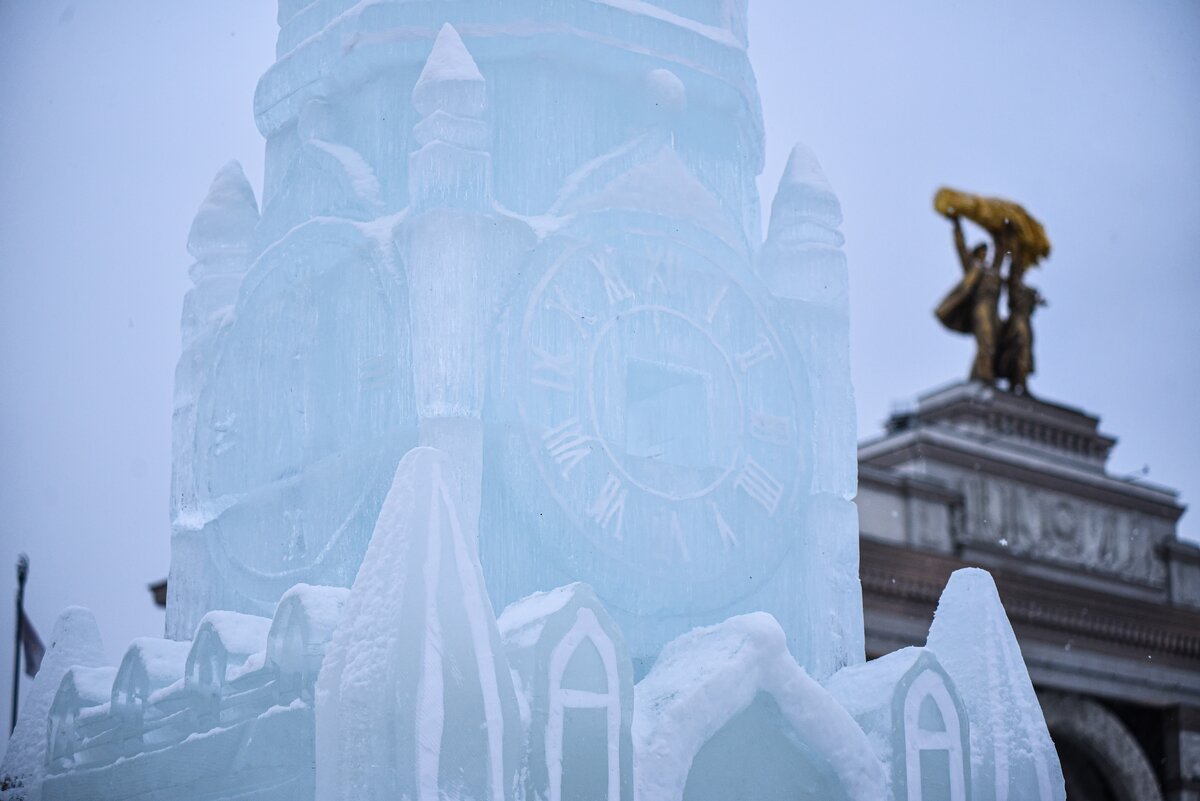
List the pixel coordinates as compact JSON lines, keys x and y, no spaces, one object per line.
{"x":972,"y":306}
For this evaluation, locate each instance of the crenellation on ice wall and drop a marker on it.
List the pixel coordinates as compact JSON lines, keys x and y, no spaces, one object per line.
{"x":228,"y":712}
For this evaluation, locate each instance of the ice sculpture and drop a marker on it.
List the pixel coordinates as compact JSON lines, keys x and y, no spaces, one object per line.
{"x":727,"y":713}
{"x":917,"y":724}
{"x":541,"y":254}
{"x":576,"y":681}
{"x":1012,"y":756}
{"x":504,"y":321}
{"x":75,"y":640}
{"x":415,"y":699}
{"x":227,"y":715}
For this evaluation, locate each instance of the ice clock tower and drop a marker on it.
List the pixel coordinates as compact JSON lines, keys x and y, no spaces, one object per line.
{"x":538,"y":249}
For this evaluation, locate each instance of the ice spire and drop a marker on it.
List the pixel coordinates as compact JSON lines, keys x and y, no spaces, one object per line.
{"x":220,"y":240}
{"x":225,"y":222}
{"x":1013,"y":756}
{"x":450,"y":79}
{"x":803,"y":265}
{"x":451,"y":166}
{"x":805,"y":205}
{"x":415,"y":699}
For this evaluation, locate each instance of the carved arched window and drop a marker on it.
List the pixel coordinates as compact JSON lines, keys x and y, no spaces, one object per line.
{"x":583,"y":676}
{"x":933,"y":752}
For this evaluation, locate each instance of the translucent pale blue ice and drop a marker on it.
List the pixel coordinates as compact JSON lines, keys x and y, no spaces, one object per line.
{"x":503,"y":331}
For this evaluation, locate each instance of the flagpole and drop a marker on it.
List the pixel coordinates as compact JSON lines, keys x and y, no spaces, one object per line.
{"x":22,"y":574}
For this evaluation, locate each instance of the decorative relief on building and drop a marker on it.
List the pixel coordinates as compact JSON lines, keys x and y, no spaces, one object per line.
{"x":1050,"y":526}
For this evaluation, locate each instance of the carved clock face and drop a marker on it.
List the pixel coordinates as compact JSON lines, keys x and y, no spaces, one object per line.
{"x":301,"y":422}
{"x":662,"y":410}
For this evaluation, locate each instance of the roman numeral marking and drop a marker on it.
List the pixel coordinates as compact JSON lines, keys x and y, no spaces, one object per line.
{"x":771,"y":429}
{"x":665,"y":258}
{"x":614,"y":287}
{"x":609,"y":507}
{"x":715,"y":306}
{"x":727,"y":536}
{"x":677,"y":536}
{"x":761,"y":352}
{"x":577,"y":316}
{"x":567,"y":445}
{"x":553,"y":372}
{"x":760,"y":485}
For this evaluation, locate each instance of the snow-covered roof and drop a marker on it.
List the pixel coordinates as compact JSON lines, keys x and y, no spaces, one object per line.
{"x":870,"y":686}
{"x":707,"y":676}
{"x":90,"y":685}
{"x":522,"y":621}
{"x":240,"y":634}
{"x":321,"y":607}
{"x":160,"y":662}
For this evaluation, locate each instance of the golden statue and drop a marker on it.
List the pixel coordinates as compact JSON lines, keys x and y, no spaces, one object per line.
{"x":1002,"y":349}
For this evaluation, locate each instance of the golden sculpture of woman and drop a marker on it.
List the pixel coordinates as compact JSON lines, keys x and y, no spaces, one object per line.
{"x":1014,"y":356}
{"x":1002,"y":350}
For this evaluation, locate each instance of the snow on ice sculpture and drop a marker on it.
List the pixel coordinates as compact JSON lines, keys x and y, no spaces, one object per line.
{"x":300,"y":632}
{"x":224,"y":640}
{"x":415,"y":699}
{"x":576,"y":679}
{"x":75,"y":640}
{"x":727,"y":713}
{"x":81,"y":689}
{"x":227,"y":715}
{"x":1012,"y":756}
{"x":915,"y":721}
{"x":149,"y":665}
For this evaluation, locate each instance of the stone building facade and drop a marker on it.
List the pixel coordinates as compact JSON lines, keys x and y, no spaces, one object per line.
{"x":1102,"y":594}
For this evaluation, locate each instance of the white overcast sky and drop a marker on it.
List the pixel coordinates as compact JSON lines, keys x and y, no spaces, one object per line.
{"x":115,"y":114}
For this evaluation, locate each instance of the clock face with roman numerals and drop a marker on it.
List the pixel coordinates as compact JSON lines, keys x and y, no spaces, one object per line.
{"x":303,"y":417}
{"x":664,"y":414}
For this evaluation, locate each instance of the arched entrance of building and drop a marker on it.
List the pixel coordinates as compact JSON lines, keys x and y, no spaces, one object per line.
{"x":1101,"y":760}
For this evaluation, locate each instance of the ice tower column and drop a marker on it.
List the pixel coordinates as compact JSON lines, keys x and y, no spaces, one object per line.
{"x":456,"y":251}
{"x":802,"y":263}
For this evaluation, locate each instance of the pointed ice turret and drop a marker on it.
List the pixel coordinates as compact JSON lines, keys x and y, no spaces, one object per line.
{"x":1012,"y":756}
{"x":75,"y":641}
{"x":225,"y":221}
{"x":451,"y":166}
{"x":221,"y":240}
{"x":802,"y":257}
{"x":803,"y":265}
{"x":458,"y":251}
{"x":415,"y":699}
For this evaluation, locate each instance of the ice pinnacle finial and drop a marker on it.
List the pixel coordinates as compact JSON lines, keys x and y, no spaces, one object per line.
{"x":804,"y":194}
{"x":450,"y":80}
{"x":228,"y":216}
{"x":804,"y":168}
